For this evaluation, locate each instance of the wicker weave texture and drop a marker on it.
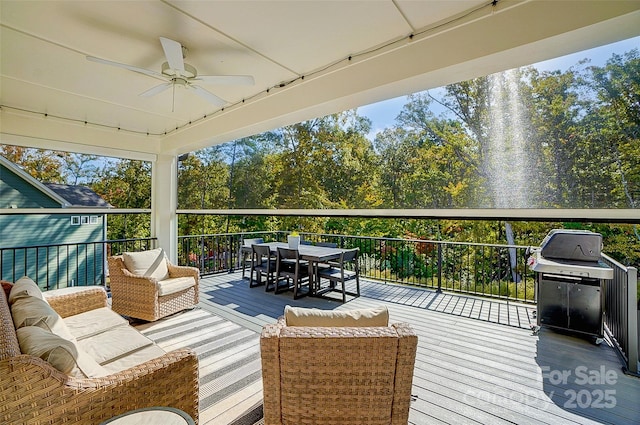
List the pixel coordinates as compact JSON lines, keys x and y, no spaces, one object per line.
{"x":137,"y":296}
{"x":337,"y":375}
{"x":71,"y":304}
{"x":33,"y":392}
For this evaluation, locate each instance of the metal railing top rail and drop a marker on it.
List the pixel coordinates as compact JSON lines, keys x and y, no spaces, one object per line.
{"x":432,"y":241}
{"x":110,"y":241}
{"x":207,"y":235}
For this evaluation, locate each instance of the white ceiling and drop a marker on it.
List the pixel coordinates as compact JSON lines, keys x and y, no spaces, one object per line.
{"x":297,"y":51}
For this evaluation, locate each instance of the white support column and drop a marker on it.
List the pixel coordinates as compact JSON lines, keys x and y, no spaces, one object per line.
{"x":164,"y":201}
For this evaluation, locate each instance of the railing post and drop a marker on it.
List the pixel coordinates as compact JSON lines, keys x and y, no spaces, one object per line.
{"x":632,"y":327}
{"x":439,"y":268}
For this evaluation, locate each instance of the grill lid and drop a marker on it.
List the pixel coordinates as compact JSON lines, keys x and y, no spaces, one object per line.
{"x":572,"y":245}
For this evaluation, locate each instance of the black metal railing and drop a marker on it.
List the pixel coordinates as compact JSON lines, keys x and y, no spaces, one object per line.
{"x":217,"y":253}
{"x":621,"y":311}
{"x":62,"y":265}
{"x":490,"y":270}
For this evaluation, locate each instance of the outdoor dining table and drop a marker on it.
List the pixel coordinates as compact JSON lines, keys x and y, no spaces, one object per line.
{"x":311,"y":253}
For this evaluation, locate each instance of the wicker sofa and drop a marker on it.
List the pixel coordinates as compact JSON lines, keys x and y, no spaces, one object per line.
{"x":337,"y":367}
{"x":33,"y":391}
{"x":145,"y":285}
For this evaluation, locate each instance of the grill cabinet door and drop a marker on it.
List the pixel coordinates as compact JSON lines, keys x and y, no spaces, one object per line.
{"x":552,"y":301}
{"x":585,"y":307}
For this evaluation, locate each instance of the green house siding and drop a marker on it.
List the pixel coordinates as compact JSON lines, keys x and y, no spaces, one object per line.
{"x":78,"y":260}
{"x":15,"y":192}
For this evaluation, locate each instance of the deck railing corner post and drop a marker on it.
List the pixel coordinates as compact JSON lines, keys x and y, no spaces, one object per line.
{"x":439,"y":268}
{"x":633,"y":318}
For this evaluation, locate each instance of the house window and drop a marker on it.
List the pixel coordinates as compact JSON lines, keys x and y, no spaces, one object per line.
{"x":75,"y":220}
{"x":93,"y":219}
{"x":85,"y":219}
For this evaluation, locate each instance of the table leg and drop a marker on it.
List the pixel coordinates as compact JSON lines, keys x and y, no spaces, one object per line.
{"x":312,"y":278}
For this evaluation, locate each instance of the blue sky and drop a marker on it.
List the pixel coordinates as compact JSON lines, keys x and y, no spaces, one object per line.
{"x":383,"y":114}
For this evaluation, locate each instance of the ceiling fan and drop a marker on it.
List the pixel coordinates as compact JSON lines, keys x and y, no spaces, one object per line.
{"x":178,"y":73}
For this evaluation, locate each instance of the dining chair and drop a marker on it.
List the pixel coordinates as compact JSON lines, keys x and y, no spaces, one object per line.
{"x":263,"y":263}
{"x":328,"y":264}
{"x":243,"y":252}
{"x":292,"y":270}
{"x":342,"y":271}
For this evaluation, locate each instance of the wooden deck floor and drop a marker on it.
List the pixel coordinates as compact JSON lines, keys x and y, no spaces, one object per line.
{"x":477,"y":362}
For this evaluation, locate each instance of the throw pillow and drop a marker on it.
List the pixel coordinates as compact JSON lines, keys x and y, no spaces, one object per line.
{"x":38,"y":342}
{"x":150,"y":263}
{"x":296,"y":316}
{"x":24,"y":287}
{"x":32,"y":311}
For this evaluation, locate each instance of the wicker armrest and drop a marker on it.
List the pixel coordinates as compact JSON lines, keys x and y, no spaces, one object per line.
{"x":184,"y":271}
{"x":270,"y":354}
{"x":41,"y":392}
{"x":71,"y":301}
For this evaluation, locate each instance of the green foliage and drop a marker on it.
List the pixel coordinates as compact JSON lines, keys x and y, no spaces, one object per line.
{"x":583,"y":143}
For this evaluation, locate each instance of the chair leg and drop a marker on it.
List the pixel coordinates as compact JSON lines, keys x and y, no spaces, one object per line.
{"x":251,"y":285}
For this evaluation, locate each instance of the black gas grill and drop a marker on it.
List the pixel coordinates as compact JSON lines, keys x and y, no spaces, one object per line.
{"x":569,"y":279}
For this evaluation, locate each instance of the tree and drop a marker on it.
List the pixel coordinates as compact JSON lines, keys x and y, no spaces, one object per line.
{"x":43,"y":165}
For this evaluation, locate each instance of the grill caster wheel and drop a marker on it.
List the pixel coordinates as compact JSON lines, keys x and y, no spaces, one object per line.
{"x":535,"y":330}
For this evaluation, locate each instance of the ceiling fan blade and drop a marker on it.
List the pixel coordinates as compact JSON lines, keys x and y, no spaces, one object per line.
{"x":155,"y":90}
{"x":173,"y":52}
{"x":129,"y":67}
{"x":227,"y":80}
{"x":208,"y":96}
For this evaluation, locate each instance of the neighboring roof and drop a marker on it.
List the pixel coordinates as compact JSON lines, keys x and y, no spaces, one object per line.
{"x":79,"y":196}
{"x":66,"y":195}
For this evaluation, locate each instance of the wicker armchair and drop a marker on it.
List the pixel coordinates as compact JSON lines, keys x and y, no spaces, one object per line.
{"x":34,"y":392}
{"x":147,"y":297}
{"x":337,"y":375}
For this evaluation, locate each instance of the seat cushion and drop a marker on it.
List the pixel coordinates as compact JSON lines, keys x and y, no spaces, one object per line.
{"x":134,"y":358}
{"x":34,"y":311}
{"x":113,"y":343}
{"x":335,"y":273}
{"x":93,"y":322}
{"x":150,"y":263}
{"x":296,"y":316}
{"x":24,"y":287}
{"x":176,"y":284}
{"x":62,"y":354}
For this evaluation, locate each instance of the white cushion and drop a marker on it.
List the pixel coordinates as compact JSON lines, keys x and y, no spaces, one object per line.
{"x":176,"y":284}
{"x":150,"y":263}
{"x":93,"y":322}
{"x":133,"y":359}
{"x":24,"y":287}
{"x":38,"y":342}
{"x":34,"y":311}
{"x":113,"y":343}
{"x":296,"y":316}
{"x":62,"y":354}
{"x":86,"y":366}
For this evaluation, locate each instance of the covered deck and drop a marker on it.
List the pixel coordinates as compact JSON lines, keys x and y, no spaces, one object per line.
{"x":477,"y":361}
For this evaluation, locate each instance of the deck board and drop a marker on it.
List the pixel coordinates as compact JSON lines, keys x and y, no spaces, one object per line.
{"x":477,"y":360}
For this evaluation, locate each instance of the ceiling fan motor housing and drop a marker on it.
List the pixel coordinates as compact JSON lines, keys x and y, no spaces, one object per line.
{"x":189,"y":71}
